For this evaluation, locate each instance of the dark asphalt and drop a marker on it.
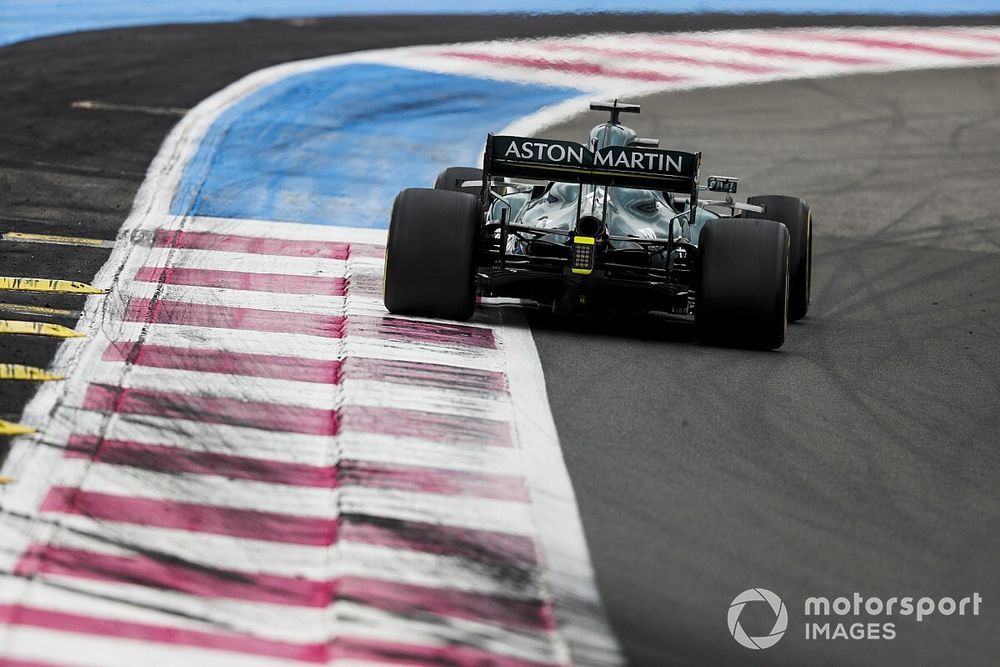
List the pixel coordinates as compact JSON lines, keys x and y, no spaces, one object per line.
{"x":865,"y":454}
{"x":862,"y":456}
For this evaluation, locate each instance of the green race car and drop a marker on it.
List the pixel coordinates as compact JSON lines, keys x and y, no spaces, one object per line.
{"x":604,"y":229}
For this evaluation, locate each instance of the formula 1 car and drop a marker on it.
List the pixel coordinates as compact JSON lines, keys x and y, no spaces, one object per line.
{"x":615,"y":227}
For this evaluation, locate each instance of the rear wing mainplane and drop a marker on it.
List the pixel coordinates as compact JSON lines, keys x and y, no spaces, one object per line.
{"x":570,"y":162}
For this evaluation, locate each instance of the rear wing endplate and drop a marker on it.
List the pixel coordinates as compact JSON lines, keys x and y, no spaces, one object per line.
{"x":570,"y":162}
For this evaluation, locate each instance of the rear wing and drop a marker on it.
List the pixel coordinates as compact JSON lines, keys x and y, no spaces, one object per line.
{"x":570,"y":162}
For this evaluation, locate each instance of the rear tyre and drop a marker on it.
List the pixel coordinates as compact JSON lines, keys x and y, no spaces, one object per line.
{"x":452,"y":178}
{"x":743,"y":295}
{"x":430,"y":255}
{"x":796,"y":215}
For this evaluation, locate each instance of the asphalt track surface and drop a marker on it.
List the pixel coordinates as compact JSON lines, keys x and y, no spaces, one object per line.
{"x":860,"y":457}
{"x":863,"y":455}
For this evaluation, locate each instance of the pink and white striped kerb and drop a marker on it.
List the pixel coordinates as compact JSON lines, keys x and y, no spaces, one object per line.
{"x":259,"y":465}
{"x":637,"y":63}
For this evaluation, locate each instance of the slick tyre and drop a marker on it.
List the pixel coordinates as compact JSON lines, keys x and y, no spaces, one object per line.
{"x":453,"y":177}
{"x":794,"y":214}
{"x":430,"y":255}
{"x":742,"y":299}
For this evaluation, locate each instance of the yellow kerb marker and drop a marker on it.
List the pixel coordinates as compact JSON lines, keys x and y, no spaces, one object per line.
{"x":10,"y":428}
{"x":47,"y":285}
{"x":37,"y":329}
{"x":19,"y":372}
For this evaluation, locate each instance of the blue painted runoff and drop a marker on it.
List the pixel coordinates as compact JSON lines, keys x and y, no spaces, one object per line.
{"x":28,"y":19}
{"x":334,"y":146}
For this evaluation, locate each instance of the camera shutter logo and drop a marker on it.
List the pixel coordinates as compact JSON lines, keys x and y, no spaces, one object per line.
{"x":780,"y":618}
